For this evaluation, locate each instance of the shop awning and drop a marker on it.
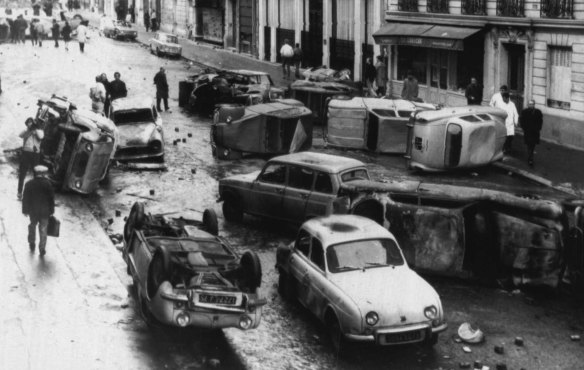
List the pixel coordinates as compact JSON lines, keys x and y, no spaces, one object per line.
{"x":423,"y":35}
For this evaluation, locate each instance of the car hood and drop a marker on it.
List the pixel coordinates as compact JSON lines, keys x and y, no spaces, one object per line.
{"x":136,"y":134}
{"x":394,"y":293}
{"x":246,"y":178}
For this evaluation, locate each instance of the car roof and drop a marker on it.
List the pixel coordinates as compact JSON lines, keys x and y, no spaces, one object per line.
{"x":132,"y":102}
{"x":319,"y":161}
{"x":435,"y":115}
{"x":335,"y":229}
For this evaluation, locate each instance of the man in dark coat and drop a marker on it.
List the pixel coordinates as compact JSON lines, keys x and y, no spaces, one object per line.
{"x":55,"y":32}
{"x":370,"y":73}
{"x":117,"y":88}
{"x":161,"y":89}
{"x":474,"y":93}
{"x":106,"y":84}
{"x":38,"y":203}
{"x":531,"y":121}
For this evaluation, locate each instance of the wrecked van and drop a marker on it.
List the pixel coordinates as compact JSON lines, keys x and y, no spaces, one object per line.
{"x":315,"y":95}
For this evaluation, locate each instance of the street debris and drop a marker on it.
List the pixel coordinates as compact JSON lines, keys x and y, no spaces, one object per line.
{"x":575,"y":338}
{"x":468,"y":334}
{"x":464,"y":365}
{"x":499,"y":350}
{"x":501,"y":367}
{"x":519,"y":341}
{"x":146,"y":166}
{"x":477,"y":365}
{"x":466,"y":349}
{"x":118,"y":213}
{"x":213,"y":363}
{"x":152,"y":191}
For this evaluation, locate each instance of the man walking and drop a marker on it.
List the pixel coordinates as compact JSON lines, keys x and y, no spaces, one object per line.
{"x":531,"y":121}
{"x":510,"y":122}
{"x":473,"y":93}
{"x":380,"y":75}
{"x":66,"y":32}
{"x":38,"y":203}
{"x":497,"y":99}
{"x":287,"y":54}
{"x":31,"y":150}
{"x":40,"y":31}
{"x":117,"y":88}
{"x":370,"y":73}
{"x":55,"y":32}
{"x":146,"y":19}
{"x":82,"y":35}
{"x":161,"y":89}
{"x":298,"y":55}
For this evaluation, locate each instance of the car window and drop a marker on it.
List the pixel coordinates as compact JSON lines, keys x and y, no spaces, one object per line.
{"x":356,"y":174}
{"x":171,"y":39}
{"x":404,"y":113}
{"x":303,"y":242}
{"x":323,"y":183}
{"x":317,"y":254}
{"x":363,"y":254}
{"x":133,"y":116}
{"x":300,"y":177}
{"x":265,"y":80}
{"x":274,"y":173}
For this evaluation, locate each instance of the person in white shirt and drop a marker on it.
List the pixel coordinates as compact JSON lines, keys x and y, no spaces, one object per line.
{"x":82,"y":35}
{"x":511,"y":121}
{"x":287,"y":54}
{"x":31,"y":150}
{"x":97,"y":94}
{"x":497,"y":99}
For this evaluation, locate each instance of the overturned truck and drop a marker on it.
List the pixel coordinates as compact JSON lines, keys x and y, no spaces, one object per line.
{"x":471,"y":232}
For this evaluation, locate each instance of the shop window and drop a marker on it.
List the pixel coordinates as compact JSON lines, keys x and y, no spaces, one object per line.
{"x":439,"y":69}
{"x":560,"y":71}
{"x":412,"y":59}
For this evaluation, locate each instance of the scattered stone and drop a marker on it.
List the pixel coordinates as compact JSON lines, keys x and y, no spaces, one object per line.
{"x":457,"y":340}
{"x":466,"y":349}
{"x":118,"y":213}
{"x":184,"y":140}
{"x":501,"y":367}
{"x":477,"y":365}
{"x":193,"y":170}
{"x":469,"y":334}
{"x":446,"y":357}
{"x":575,"y":338}
{"x":499,"y":350}
{"x":124,"y":305}
{"x":213,"y":363}
{"x":190,"y":135}
{"x":176,"y":129}
{"x":118,"y":190}
{"x":181,"y":178}
{"x":110,"y":221}
{"x":174,"y":142}
{"x":24,"y":81}
{"x":152,"y":191}
{"x":519,"y":341}
{"x":510,"y":173}
{"x":464,"y":365}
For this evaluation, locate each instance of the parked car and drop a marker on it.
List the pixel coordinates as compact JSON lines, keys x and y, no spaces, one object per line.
{"x":232,"y":86}
{"x":292,"y":187}
{"x":454,"y":138}
{"x":378,"y":125}
{"x":186,"y":275}
{"x":116,"y":29}
{"x":140,"y":128}
{"x":350,"y":273}
{"x":78,"y":145}
{"x":283,"y":126}
{"x":315,"y":95}
{"x":165,"y":44}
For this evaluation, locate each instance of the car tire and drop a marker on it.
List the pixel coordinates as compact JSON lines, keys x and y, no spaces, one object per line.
{"x":158,"y":271}
{"x":431,"y":340}
{"x":335,"y":335}
{"x":210,"y":221}
{"x":135,"y":220}
{"x":232,"y":210}
{"x":251,"y":271}
{"x":286,"y":286}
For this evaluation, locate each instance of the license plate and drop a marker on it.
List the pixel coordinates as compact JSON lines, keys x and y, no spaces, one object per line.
{"x":404,"y":337}
{"x":217,"y":299}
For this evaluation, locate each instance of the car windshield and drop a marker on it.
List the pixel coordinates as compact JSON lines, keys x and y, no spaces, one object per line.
{"x":171,"y":39}
{"x":133,"y":116}
{"x":355,"y":174}
{"x":123,"y":24}
{"x":363,"y":254}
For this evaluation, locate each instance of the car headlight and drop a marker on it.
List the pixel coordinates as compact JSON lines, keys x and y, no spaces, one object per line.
{"x":371,"y":318}
{"x":89,"y":147}
{"x":155,"y":145}
{"x":431,"y":312}
{"x":78,"y":184}
{"x":245,"y":322}
{"x":183,"y":319}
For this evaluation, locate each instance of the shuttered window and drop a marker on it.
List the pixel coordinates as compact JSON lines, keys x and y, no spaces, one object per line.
{"x":560,"y":77}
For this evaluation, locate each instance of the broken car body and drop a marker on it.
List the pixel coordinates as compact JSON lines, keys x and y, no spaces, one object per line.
{"x":185,"y":275}
{"x":284,"y":126}
{"x":315,"y":95}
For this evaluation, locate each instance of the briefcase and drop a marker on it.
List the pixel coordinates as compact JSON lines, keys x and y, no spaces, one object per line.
{"x":54,"y":227}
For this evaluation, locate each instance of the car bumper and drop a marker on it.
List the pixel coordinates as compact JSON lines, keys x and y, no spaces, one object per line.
{"x":375,"y":336}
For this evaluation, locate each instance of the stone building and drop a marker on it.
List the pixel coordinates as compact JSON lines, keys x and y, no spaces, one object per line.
{"x":535,"y":47}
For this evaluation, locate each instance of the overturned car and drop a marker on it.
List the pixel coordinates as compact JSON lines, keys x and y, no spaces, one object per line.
{"x":284,"y":126}
{"x":78,"y":145}
{"x":315,"y":95}
{"x":186,"y":275}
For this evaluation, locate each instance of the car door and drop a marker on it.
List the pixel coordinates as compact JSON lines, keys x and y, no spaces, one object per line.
{"x":299,"y":263}
{"x":267,"y":191}
{"x":322,"y":197}
{"x":297,"y":193}
{"x":139,"y":259}
{"x":314,"y":282}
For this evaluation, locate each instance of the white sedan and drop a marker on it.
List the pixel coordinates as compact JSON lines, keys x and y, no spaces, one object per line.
{"x":350,"y":272}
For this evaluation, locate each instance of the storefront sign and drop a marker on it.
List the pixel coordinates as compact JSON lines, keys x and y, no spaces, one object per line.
{"x":421,"y":42}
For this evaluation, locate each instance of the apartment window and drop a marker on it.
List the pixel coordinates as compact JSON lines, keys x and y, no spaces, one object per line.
{"x":560,"y":72}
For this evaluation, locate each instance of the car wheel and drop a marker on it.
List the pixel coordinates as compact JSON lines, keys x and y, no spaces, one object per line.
{"x":335,"y":334}
{"x":431,"y":340}
{"x":135,"y":220}
{"x":146,"y":314}
{"x":286,"y":286}
{"x":210,"y":221}
{"x":251,"y":271}
{"x":159,"y":270}
{"x":232,"y":210}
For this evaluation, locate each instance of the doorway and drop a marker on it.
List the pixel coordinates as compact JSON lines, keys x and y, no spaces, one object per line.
{"x":515,"y":78}
{"x":312,"y":40}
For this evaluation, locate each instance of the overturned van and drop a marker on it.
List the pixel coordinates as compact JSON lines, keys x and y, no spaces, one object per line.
{"x":452,"y":138}
{"x":283,"y":126}
{"x":378,"y":125}
{"x":315,"y":95}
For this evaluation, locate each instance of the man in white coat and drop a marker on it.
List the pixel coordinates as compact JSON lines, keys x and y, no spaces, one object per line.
{"x":497,"y":99}
{"x":511,"y":121}
{"x":82,"y":35}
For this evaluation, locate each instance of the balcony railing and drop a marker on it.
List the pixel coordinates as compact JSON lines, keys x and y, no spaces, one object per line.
{"x":474,"y":7}
{"x":407,"y":5}
{"x":437,"y":6}
{"x":511,"y":8}
{"x":557,"y":9}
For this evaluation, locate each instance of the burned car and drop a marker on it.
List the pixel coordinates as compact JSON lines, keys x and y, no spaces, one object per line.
{"x":186,"y":275}
{"x":140,"y":128}
{"x":378,"y":125}
{"x":315,"y":95}
{"x":78,"y":144}
{"x":454,"y":138}
{"x":117,"y":29}
{"x":350,"y":272}
{"x":284,"y":126}
{"x":232,"y":86}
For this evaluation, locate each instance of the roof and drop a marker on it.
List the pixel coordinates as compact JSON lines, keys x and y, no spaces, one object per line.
{"x":337,"y":229}
{"x":319,"y":161}
{"x":434,"y":115}
{"x":133,"y":102}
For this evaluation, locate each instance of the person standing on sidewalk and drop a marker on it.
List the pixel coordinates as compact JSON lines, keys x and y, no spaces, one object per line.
{"x":380,"y":76}
{"x":161,"y":89}
{"x":34,"y":36}
{"x":410,"y":89}
{"x":146,"y":19}
{"x":298,"y":56}
{"x":41,"y":31}
{"x":82,"y":36}
{"x":97,"y":94}
{"x":55,"y":32}
{"x":38,"y":203}
{"x":370,"y":73}
{"x":510,"y":122}
{"x":31,"y":150}
{"x":497,"y":99}
{"x":66,"y":32}
{"x":473,"y":93}
{"x":287,"y":54}
{"x":531,"y":121}
{"x":153,"y":20}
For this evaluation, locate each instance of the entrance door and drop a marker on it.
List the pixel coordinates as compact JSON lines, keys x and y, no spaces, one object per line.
{"x":312,"y":40}
{"x":516,"y":73}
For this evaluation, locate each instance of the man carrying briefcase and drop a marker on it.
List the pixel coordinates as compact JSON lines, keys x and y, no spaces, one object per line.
{"x":38,"y":202}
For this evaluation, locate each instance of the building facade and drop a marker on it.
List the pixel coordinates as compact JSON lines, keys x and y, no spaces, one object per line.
{"x":535,"y":47}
